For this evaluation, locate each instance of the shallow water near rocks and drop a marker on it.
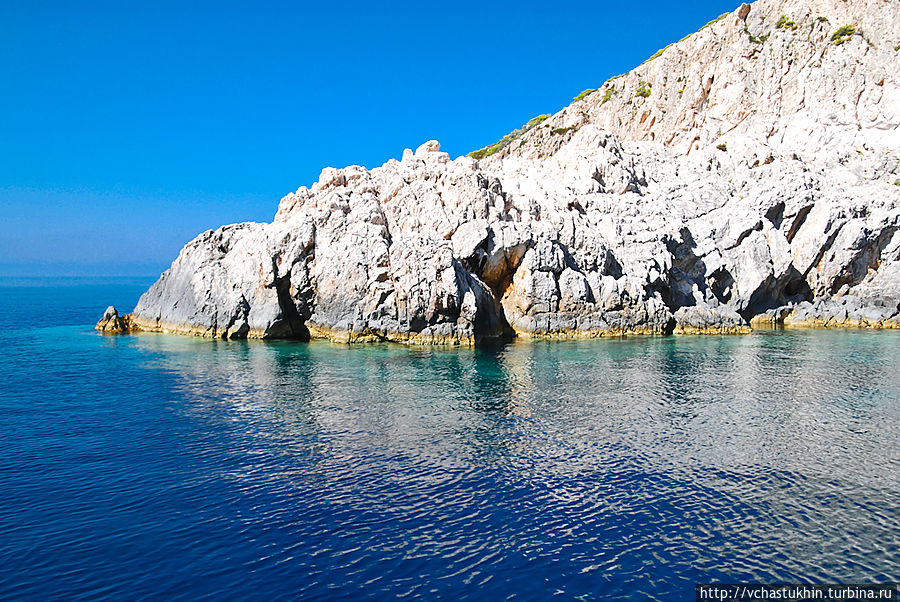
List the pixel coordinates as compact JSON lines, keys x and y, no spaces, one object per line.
{"x":154,"y":465}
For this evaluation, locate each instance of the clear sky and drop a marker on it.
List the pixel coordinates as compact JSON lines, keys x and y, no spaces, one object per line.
{"x":128,"y":128}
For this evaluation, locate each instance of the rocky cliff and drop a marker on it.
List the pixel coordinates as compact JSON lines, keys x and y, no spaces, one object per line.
{"x":747,"y":175}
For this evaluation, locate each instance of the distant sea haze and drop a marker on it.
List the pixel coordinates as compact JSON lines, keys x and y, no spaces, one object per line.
{"x":11,"y":271}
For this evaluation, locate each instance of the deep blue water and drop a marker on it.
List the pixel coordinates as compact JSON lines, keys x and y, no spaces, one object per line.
{"x":154,"y":466}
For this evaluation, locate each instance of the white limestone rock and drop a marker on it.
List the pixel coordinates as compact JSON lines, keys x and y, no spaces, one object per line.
{"x":749,"y":172}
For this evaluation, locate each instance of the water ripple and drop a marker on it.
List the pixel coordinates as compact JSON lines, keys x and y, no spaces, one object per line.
{"x":154,"y":466}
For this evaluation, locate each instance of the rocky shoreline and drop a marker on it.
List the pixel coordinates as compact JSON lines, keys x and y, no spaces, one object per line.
{"x":745,"y":177}
{"x":804,"y":316}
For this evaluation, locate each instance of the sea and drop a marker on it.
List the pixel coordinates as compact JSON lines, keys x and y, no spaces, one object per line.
{"x":152,"y":466}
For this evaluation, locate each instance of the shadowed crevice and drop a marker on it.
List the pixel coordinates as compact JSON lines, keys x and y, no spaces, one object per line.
{"x":295,"y":324}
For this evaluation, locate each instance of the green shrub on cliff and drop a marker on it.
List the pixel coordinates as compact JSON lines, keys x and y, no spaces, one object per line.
{"x":785,"y":23}
{"x":643,"y":89}
{"x":492,"y":149}
{"x":533,"y":122}
{"x":842,"y":34}
{"x":754,"y":39}
{"x":560,"y":131}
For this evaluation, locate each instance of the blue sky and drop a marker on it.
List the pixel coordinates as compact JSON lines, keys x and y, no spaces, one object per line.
{"x":126,"y":129}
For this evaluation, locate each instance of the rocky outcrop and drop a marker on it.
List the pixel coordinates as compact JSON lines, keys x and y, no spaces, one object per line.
{"x":746,"y":175}
{"x":112,"y":322}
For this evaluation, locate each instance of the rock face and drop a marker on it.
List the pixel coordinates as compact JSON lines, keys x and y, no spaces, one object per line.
{"x":749,"y":173}
{"x":112,"y":322}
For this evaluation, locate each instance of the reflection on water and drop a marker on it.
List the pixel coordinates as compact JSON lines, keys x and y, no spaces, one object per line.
{"x":784,"y":400}
{"x":625,"y":468}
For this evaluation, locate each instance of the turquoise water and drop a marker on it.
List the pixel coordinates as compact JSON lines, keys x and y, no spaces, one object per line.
{"x":159,"y":466}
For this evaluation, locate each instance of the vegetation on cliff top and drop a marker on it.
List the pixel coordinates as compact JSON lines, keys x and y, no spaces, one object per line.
{"x":492,"y":149}
{"x":716,"y":20}
{"x":658,"y":53}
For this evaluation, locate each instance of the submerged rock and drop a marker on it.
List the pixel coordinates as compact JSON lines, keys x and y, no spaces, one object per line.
{"x":749,"y":174}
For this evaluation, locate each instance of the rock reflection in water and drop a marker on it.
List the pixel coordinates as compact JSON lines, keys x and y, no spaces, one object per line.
{"x":738,"y":458}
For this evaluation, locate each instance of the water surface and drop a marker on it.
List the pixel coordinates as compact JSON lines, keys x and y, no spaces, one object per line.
{"x":161,"y":466}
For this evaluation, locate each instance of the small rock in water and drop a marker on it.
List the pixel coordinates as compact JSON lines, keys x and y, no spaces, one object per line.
{"x":112,"y":322}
